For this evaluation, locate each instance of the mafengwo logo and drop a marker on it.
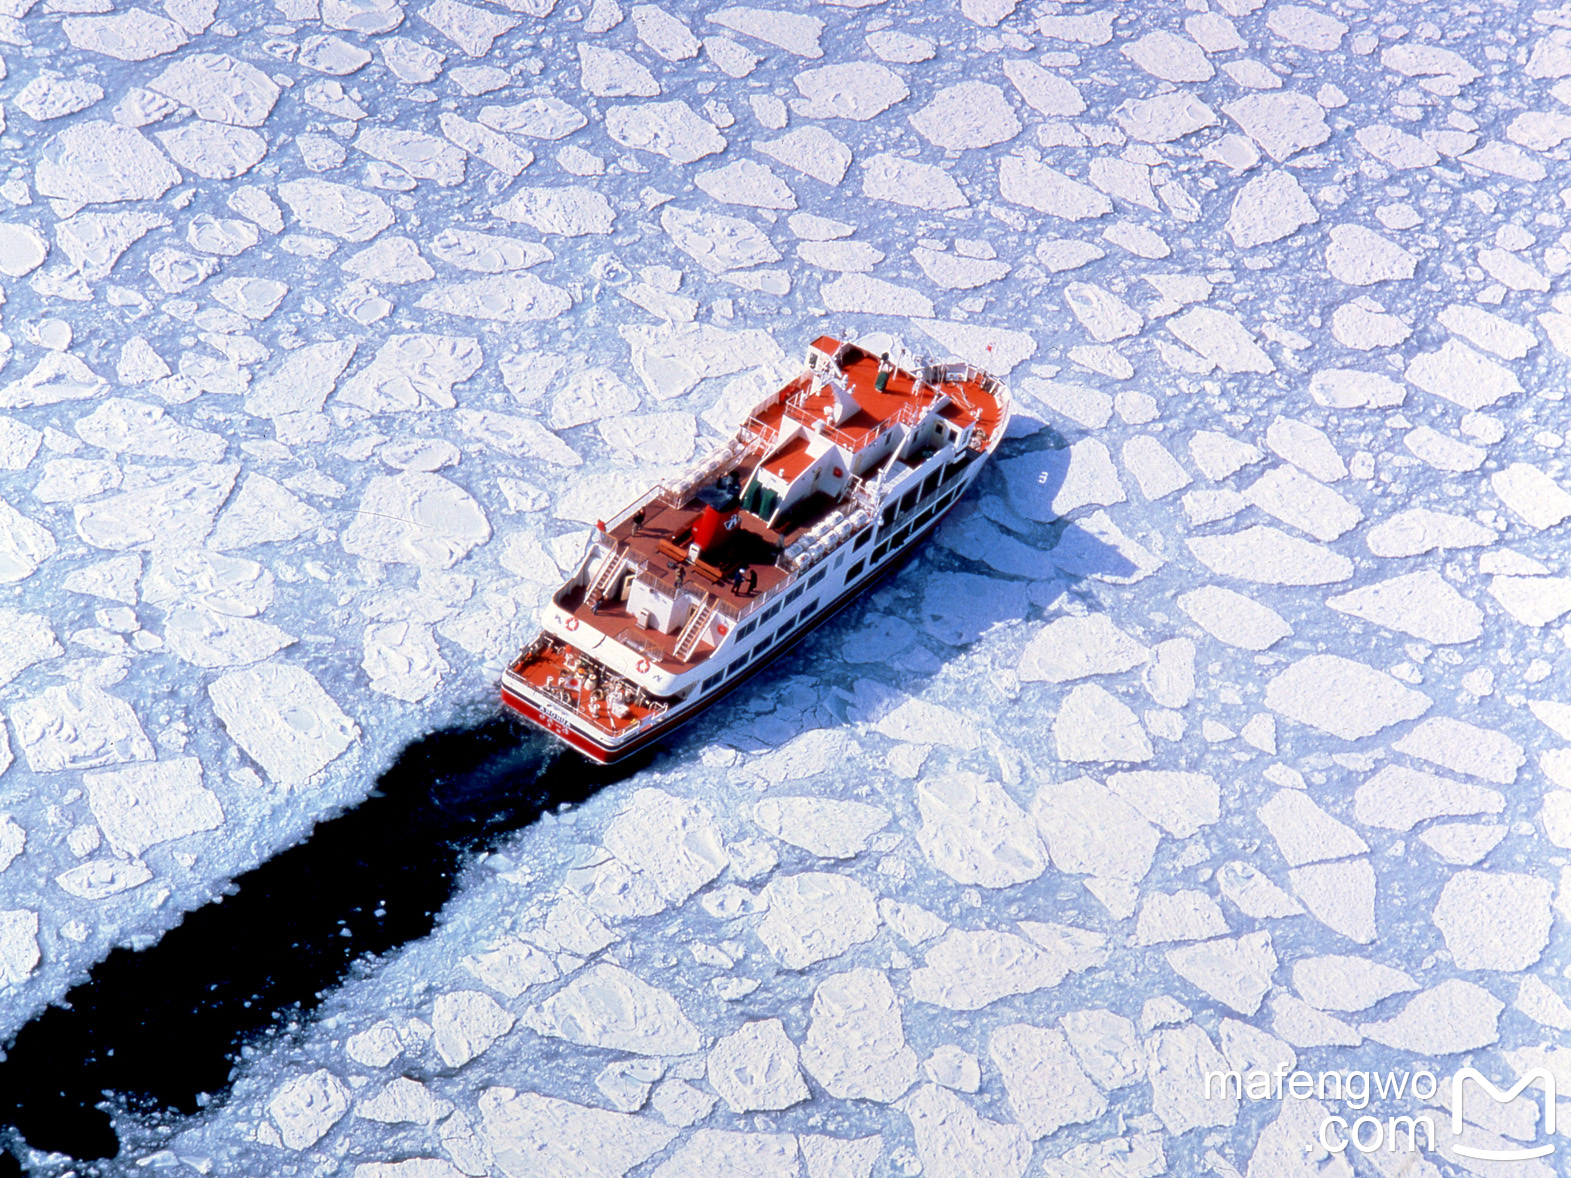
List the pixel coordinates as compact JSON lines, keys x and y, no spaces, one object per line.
{"x":1503,"y":1096}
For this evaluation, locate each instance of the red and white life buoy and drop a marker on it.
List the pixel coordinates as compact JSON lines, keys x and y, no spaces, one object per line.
{"x":643,"y":665}
{"x":572,"y":623}
{"x":839,"y":473}
{"x":722,"y":629}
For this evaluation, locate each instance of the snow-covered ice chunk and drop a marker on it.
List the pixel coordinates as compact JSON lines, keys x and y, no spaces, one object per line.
{"x":1396,"y":148}
{"x":967,"y":115}
{"x":1422,"y":604}
{"x":1361,"y":257}
{"x":755,"y":1068}
{"x":22,"y":250}
{"x":570,"y":210}
{"x":1306,"y":27}
{"x":1089,"y":830}
{"x":673,"y":841}
{"x":1462,"y":376}
{"x":743,"y":182}
{"x":1340,"y":895}
{"x":122,"y":426}
{"x":1177,"y":1061}
{"x":466,"y":1023}
{"x":1222,"y":339}
{"x":18,"y":945}
{"x":350,"y":213}
{"x":717,"y":243}
{"x":1533,"y":601}
{"x":1453,"y":1017}
{"x":815,"y":916}
{"x":873,"y":296}
{"x":852,"y":90}
{"x":404,"y":1102}
{"x":1044,"y":91}
{"x":814,"y":152}
{"x":1106,"y":1046}
{"x":1219,"y":455}
{"x":968,"y":970}
{"x":1442,"y":452}
{"x":975,"y":833}
{"x":533,"y":1136}
{"x":1533,"y":496}
{"x":402,"y":660}
{"x":826,"y":827}
{"x":954,"y":1141}
{"x":1093,"y":725}
{"x":908,"y":182}
{"x":1305,"y":833}
{"x":1180,"y":803}
{"x":1506,"y":339}
{"x":1306,"y":448}
{"x":422,"y":156}
{"x":416,"y":518}
{"x":97,"y":162}
{"x":1284,"y":122}
{"x":1347,"y":983}
{"x":282,"y":718}
{"x":474,"y":30}
{"x":1169,"y":57}
{"x":1076,"y":647}
{"x":606,"y":1006}
{"x":1254,"y":894}
{"x":391,"y":261}
{"x":27,"y":639}
{"x":1495,"y":920}
{"x":305,"y":1108}
{"x":132,"y":35}
{"x":214,"y":151}
{"x":1293,"y":497}
{"x":856,"y":1046}
{"x":792,"y":32}
{"x":1418,"y":530}
{"x":1233,"y":618}
{"x":610,"y":73}
{"x":1399,"y":798}
{"x":503,"y":298}
{"x":1267,"y":556}
{"x":717,"y":1153}
{"x":1047,"y":190}
{"x":1102,"y":313}
{"x":1235,"y":971}
{"x":1465,"y":748}
{"x":672,"y":129}
{"x":77,"y":726}
{"x":146,"y":804}
{"x":1179,"y":916}
{"x":1164,"y":118}
{"x":1346,"y":698}
{"x":220,"y":89}
{"x":409,"y":372}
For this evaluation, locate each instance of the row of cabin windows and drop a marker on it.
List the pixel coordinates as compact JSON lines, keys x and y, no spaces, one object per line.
{"x":767,"y":641}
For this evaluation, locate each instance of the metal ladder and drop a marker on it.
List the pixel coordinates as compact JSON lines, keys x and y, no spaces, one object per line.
{"x":695,"y":627}
{"x":608,"y":571}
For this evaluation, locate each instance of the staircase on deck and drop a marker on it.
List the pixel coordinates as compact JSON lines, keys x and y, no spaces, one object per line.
{"x":695,"y":627}
{"x":612,"y":565}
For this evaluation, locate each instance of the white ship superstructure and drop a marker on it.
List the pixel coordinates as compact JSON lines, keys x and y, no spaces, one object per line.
{"x":701,"y":582}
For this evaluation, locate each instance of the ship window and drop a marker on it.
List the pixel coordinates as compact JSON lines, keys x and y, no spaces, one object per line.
{"x":878,"y":553}
{"x":770,"y":612}
{"x":889,"y":515}
{"x":794,"y":594}
{"x":953,"y":469}
{"x":929,"y":483}
{"x":711,"y":681}
{"x":763,"y":645}
{"x":741,"y":661}
{"x":861,"y":541}
{"x":908,"y":500}
{"x":816,"y":577}
{"x":851,"y":573}
{"x":747,"y":629}
{"x":925,"y":516}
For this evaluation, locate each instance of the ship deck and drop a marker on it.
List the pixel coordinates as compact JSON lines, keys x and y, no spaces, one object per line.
{"x":560,"y":672}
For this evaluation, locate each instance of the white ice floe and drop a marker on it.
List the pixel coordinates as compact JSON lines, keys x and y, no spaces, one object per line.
{"x":856,"y":1046}
{"x":536,"y":1136}
{"x":1234,"y":618}
{"x":1235,"y":971}
{"x":1533,"y":496}
{"x":606,"y":1006}
{"x":1341,"y":696}
{"x":466,"y":1023}
{"x":967,"y":970}
{"x":1419,"y":530}
{"x":1462,"y":375}
{"x":975,"y":833}
{"x":755,"y":1068}
{"x":1046,"y":1086}
{"x":416,"y":518}
{"x":815,"y":916}
{"x":1076,"y":647}
{"x":1452,"y":1017}
{"x":1347,"y":983}
{"x":1047,"y":190}
{"x":305,"y":1108}
{"x":1422,"y":604}
{"x":1304,"y":832}
{"x":1495,"y":920}
{"x":1465,"y":748}
{"x":1093,"y":725}
{"x":283,"y":720}
{"x":1267,"y":556}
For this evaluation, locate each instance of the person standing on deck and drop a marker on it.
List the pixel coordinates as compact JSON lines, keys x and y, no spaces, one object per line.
{"x":881,"y":381}
{"x":736,"y":581}
{"x":752,"y":581}
{"x":638,"y":520}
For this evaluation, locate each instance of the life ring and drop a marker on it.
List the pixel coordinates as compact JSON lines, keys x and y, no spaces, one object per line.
{"x":572,"y":623}
{"x":643,"y":665}
{"x":722,"y":629}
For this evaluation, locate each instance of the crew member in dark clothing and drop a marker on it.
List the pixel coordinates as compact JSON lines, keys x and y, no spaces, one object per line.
{"x":752,"y":581}
{"x":638,"y":520}
{"x":681,"y":575}
{"x":736,"y":580}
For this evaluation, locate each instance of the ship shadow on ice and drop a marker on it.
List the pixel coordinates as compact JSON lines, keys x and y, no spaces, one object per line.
{"x":160,"y":1031}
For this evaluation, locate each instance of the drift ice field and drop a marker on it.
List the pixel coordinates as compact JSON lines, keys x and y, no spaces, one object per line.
{"x":1223,"y":728}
